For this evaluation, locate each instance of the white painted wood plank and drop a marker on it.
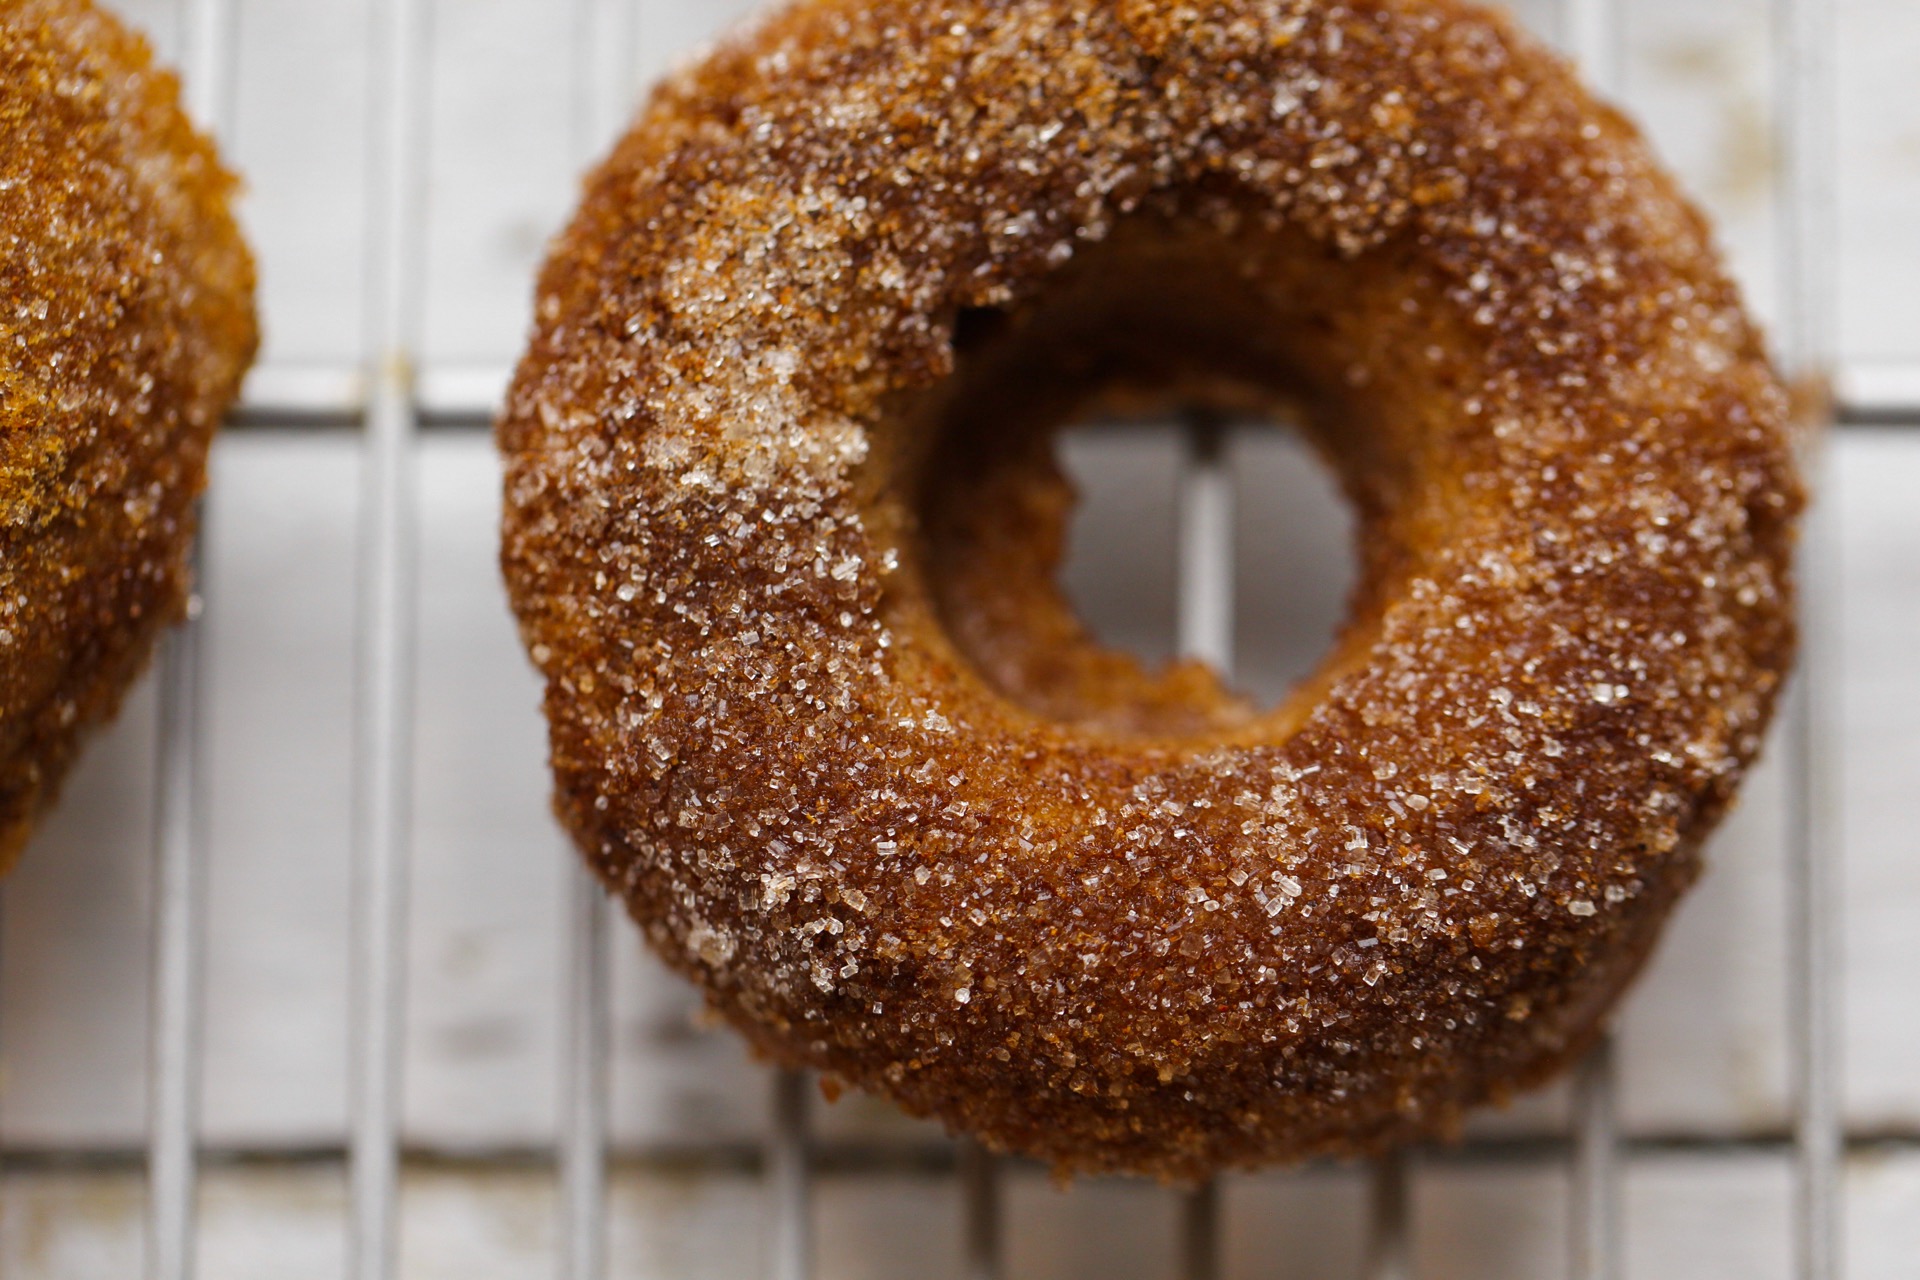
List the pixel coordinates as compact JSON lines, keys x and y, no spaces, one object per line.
{"x":70,"y":1224}
{"x":1092,"y":1230}
{"x":483,"y":1011}
{"x":1490,"y":1223}
{"x":286,"y":1223}
{"x":1299,"y":1226}
{"x":885,"y":1228}
{"x":684,"y":1227}
{"x":677,"y":1077}
{"x":73,"y":951}
{"x":1698,"y":80}
{"x":502,"y":178}
{"x":1878,"y":134}
{"x":1703,"y":1034}
{"x":462,"y":1226}
{"x":1689,"y":1216}
{"x":1877,"y":475}
{"x":672,"y":31}
{"x":160,"y":21}
{"x":1883,"y":1216}
{"x":299,"y":136}
{"x":1293,"y":556}
{"x":1126,"y":485}
{"x":278,"y":681}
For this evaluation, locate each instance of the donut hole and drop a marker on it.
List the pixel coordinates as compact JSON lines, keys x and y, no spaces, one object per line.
{"x":1146,"y":327}
{"x":1118,"y":578}
{"x":1121,"y":571}
{"x":1289,"y":546}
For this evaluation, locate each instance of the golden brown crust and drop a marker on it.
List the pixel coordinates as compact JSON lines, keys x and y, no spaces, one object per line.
{"x":126,"y":321}
{"x":811,"y":319}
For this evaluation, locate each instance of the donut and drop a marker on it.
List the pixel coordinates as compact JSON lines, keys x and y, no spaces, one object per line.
{"x":781,"y":520}
{"x":126,"y":322}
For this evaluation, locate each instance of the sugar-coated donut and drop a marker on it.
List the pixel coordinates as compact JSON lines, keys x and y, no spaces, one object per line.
{"x":781,"y":520}
{"x":126,"y":321}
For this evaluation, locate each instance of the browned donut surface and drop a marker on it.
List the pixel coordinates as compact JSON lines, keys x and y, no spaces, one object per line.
{"x":126,"y":322}
{"x":781,"y":522}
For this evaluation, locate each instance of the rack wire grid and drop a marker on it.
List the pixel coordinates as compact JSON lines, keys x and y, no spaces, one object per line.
{"x":537,"y":1099}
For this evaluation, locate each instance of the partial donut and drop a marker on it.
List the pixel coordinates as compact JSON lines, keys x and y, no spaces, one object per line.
{"x":126,"y":321}
{"x":781,"y":522}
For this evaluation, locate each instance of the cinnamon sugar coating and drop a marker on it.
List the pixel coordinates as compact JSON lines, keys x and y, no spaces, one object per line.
{"x":126,"y":321}
{"x":781,"y":521}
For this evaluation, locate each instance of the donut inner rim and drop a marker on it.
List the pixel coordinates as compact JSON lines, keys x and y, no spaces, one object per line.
{"x":1171,"y":310}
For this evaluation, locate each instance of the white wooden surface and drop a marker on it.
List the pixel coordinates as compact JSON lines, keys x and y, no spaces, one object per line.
{"x":1702,"y":1044}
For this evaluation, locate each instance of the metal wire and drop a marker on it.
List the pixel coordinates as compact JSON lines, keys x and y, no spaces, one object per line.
{"x":1389,"y":1251}
{"x":179,"y":913}
{"x":1205,"y":624}
{"x":1594,"y":1224}
{"x":584,"y":1105}
{"x":1876,"y":393}
{"x":173,"y":1075}
{"x":1802,"y":39}
{"x":981,"y":1218}
{"x":601,"y":96}
{"x":383,"y":680}
{"x":1200,"y":1232}
{"x":1595,"y":32}
{"x":980,"y":1211}
{"x":789,"y":1181}
{"x":1205,"y":619}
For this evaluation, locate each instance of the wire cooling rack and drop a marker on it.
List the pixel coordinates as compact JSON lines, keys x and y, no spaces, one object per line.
{"x":393,"y":399}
